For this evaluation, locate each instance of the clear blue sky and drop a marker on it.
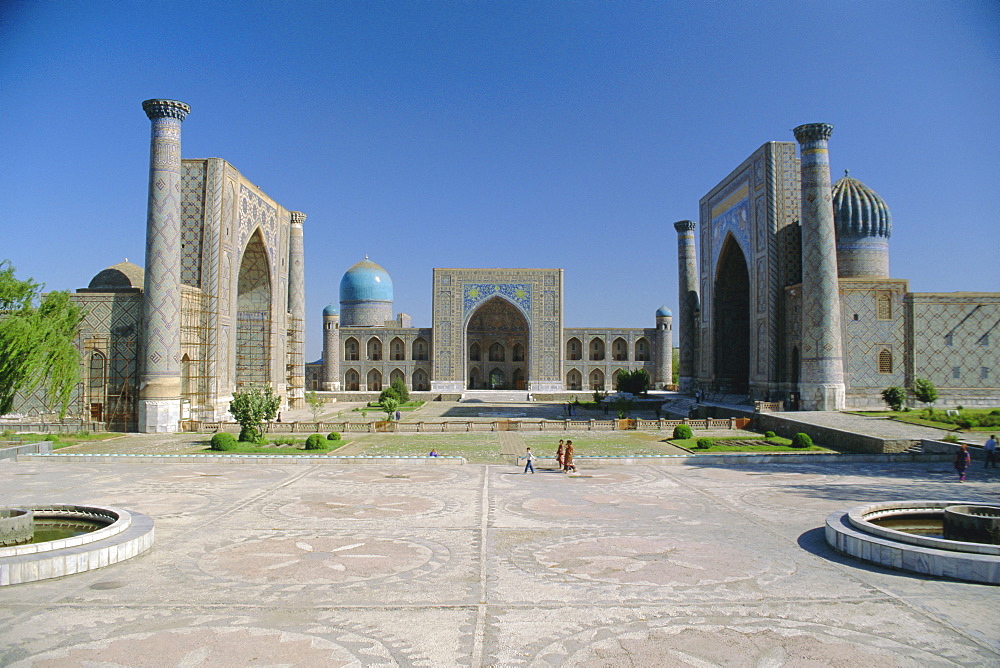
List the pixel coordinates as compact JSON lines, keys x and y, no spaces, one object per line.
{"x":478,"y":134}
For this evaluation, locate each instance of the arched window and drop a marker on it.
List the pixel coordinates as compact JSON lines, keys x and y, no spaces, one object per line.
{"x":885,"y":361}
{"x":352,"y":381}
{"x":475,"y":354}
{"x":518,"y":353}
{"x":397,"y":351}
{"x":420,"y":382}
{"x":497,"y":352}
{"x":619,"y":350}
{"x":597,"y":379}
{"x":574,"y":349}
{"x":374,"y":380}
{"x":614,"y":378}
{"x":420,"y":349}
{"x":883,"y":306}
{"x":374,"y":349}
{"x":351,"y":349}
{"x":642,"y":350}
{"x":597,"y":352}
{"x":574,"y":381}
{"x":475,"y":379}
{"x":98,"y":373}
{"x":396,"y":375}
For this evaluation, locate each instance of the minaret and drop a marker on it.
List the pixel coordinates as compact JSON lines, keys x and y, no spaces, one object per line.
{"x":688,"y":301}
{"x":331,"y":350}
{"x":822,"y":373}
{"x":296,"y":311}
{"x":664,"y":349}
{"x":160,"y":380}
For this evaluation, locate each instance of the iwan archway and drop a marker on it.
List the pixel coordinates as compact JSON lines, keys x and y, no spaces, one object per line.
{"x":496,"y":341}
{"x":253,"y":316}
{"x":731,"y":319}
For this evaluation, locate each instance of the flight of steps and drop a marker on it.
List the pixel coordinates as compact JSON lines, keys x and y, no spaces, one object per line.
{"x":495,"y":396}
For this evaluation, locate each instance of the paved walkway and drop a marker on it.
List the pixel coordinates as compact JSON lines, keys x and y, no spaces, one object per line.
{"x":864,"y":424}
{"x":481,"y":566}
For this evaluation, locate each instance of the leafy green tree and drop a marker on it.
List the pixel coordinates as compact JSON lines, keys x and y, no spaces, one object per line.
{"x":389,"y":405}
{"x":37,"y":349}
{"x":623,"y":407}
{"x":894,"y":396}
{"x":925,"y":391}
{"x":315,"y":403}
{"x":252,"y":408}
{"x":634,"y":382}
{"x":402,"y":392}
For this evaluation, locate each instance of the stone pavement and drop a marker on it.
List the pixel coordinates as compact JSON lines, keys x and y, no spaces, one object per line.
{"x":482,"y":566}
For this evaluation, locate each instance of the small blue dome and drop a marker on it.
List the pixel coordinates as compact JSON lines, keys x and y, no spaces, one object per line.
{"x":365,"y":282}
{"x":331,"y":310}
{"x":663,"y":311}
{"x":858,"y":211}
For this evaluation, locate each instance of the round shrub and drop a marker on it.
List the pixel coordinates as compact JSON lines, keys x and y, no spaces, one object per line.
{"x":315,"y":442}
{"x":995,"y":411}
{"x":333,"y":436}
{"x":223,"y":441}
{"x":704,"y":443}
{"x":769,"y":434}
{"x":51,"y":437}
{"x":682,"y":431}
{"x":801,"y":440}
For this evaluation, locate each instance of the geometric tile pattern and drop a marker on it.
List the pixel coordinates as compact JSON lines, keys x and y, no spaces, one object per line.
{"x":253,"y":325}
{"x":866,"y":335}
{"x":192,"y":217}
{"x":474,"y":294}
{"x":956,"y":330}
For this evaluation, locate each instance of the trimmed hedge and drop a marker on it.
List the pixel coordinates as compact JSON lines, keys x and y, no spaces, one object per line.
{"x":682,"y":431}
{"x":333,"y":436}
{"x":769,"y":434}
{"x":801,"y":440}
{"x":315,"y":442}
{"x":223,"y":441}
{"x":704,"y":443}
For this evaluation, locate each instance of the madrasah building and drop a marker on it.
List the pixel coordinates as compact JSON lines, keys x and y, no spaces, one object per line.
{"x":784,"y":295}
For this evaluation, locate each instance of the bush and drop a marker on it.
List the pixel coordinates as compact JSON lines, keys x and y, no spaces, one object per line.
{"x":801,"y":440}
{"x":704,"y":443}
{"x":223,"y":441}
{"x":894,"y":396}
{"x":283,"y":440}
{"x":682,"y":431}
{"x":51,"y":437}
{"x":951,"y":437}
{"x":769,"y":434}
{"x":995,"y":411}
{"x":315,"y":442}
{"x":333,"y":436}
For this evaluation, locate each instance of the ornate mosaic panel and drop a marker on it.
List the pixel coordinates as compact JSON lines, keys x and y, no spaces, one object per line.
{"x":474,"y":294}
{"x":192,"y":219}
{"x":256,"y":211}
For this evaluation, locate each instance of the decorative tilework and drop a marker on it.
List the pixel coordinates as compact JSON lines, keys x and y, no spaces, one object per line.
{"x":192,"y":219}
{"x":256,"y":212}
{"x":474,"y":294}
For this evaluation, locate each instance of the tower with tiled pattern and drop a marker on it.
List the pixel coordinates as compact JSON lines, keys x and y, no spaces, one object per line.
{"x":687,"y":302}
{"x":821,"y":382}
{"x":330,"y":381}
{"x":159,"y":383}
{"x":296,"y":310}
{"x":663,"y":343}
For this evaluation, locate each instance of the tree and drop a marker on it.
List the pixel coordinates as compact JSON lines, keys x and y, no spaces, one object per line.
{"x":252,"y":408}
{"x":925,"y":391}
{"x":623,"y":406}
{"x":37,"y":342}
{"x":894,"y":396}
{"x":389,"y":405}
{"x":402,"y":392}
{"x":315,"y":403}
{"x":633,"y":382}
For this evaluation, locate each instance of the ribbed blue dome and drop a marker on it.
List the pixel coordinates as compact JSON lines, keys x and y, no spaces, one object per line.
{"x":663,"y":310}
{"x":858,"y":211}
{"x":365,"y":282}
{"x":331,"y":310}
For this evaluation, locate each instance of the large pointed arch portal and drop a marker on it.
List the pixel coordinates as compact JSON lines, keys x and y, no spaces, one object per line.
{"x":499,"y":328}
{"x":731,"y":318}
{"x":253,"y":316}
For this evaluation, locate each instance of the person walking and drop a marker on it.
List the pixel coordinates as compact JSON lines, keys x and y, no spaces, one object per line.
{"x":962,"y":461}
{"x":529,"y":465}
{"x":568,"y":458}
{"x":559,"y":454}
{"x":991,"y":451}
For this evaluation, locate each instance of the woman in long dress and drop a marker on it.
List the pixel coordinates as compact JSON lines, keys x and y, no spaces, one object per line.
{"x":559,"y":454}
{"x":568,"y":457}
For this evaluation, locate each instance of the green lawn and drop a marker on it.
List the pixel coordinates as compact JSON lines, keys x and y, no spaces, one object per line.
{"x":773,"y":444}
{"x":64,"y":440}
{"x":607,"y":444}
{"x":298,"y":448}
{"x":919,"y":417}
{"x":477,"y":448}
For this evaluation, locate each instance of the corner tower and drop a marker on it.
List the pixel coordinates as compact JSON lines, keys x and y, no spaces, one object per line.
{"x":331,"y":350}
{"x":822,"y":364}
{"x":664,"y":347}
{"x":160,"y":380}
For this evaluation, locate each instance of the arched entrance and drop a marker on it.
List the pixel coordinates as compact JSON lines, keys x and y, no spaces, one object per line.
{"x":253,"y":316}
{"x":498,"y":327}
{"x":731,"y":320}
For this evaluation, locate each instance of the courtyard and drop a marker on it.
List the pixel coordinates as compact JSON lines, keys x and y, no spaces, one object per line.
{"x":442,"y":564}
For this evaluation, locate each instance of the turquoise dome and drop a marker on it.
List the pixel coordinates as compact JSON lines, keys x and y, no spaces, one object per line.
{"x":663,"y":311}
{"x":365,"y":282}
{"x":858,"y":211}
{"x":331,"y":310}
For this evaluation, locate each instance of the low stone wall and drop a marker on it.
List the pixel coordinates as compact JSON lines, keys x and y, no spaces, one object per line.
{"x":945,"y":448}
{"x":12,"y":452}
{"x":829,"y":437}
{"x":373,"y":396}
{"x":234,"y":458}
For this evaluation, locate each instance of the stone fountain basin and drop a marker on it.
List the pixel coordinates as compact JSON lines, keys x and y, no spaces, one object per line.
{"x":126,"y":535}
{"x":859,"y":518}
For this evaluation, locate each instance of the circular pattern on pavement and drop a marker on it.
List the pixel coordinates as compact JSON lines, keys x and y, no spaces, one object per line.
{"x":386,"y":506}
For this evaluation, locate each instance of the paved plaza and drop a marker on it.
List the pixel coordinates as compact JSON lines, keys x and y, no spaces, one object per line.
{"x":450,"y":565}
